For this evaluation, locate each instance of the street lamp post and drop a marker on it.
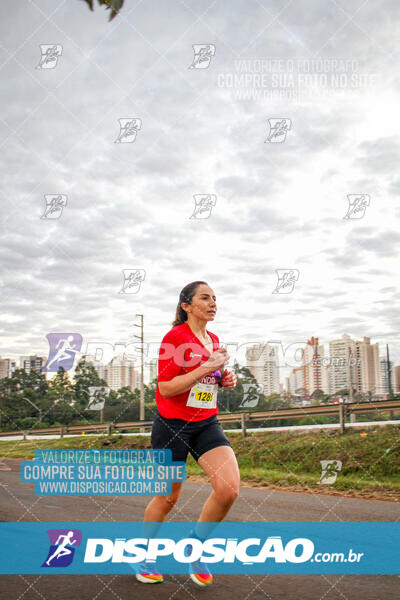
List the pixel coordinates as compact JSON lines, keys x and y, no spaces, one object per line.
{"x":350,"y":374}
{"x":388,"y":374}
{"x":141,"y":338}
{"x":32,"y":404}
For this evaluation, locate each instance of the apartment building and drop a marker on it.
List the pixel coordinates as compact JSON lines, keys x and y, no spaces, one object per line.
{"x":262,"y":362}
{"x":7,"y":367}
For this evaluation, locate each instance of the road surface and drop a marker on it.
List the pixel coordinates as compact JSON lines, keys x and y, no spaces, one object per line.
{"x":19,"y":503}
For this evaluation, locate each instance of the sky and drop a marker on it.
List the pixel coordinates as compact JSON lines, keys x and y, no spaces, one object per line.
{"x":325,"y":71}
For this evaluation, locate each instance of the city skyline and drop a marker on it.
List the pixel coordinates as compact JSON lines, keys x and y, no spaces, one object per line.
{"x":290,"y":365}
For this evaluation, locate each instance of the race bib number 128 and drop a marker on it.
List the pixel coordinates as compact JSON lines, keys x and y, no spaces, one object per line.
{"x":203,"y":395}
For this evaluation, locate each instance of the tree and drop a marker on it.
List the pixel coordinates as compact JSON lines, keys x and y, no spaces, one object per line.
{"x":23,"y":399}
{"x":318,"y":396}
{"x":115,"y":6}
{"x":122,"y":405}
{"x":61,"y":396}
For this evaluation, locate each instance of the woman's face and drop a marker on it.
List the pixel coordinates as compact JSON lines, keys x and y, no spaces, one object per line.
{"x":204,"y":303}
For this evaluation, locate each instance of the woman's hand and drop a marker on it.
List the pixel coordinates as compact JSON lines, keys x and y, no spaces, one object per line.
{"x":217,"y":360}
{"x":229,"y":380}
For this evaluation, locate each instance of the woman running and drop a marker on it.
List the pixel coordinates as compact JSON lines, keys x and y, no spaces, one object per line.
{"x":189,"y":371}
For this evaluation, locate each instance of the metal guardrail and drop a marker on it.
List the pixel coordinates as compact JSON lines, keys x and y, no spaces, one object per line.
{"x":342,"y":410}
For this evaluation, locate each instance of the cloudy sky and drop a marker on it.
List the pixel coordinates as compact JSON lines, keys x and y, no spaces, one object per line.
{"x":279,"y":204}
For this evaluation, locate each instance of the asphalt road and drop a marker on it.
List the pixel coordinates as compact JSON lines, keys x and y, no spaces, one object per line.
{"x":19,"y":503}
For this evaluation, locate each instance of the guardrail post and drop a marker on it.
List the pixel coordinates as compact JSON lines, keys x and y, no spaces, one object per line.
{"x":341,"y":418}
{"x":62,"y":431}
{"x":109,"y":428}
{"x":352,"y":417}
{"x":24,"y":435}
{"x":243,"y":423}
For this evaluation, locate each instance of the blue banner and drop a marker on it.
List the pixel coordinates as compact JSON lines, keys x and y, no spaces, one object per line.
{"x":91,"y":472}
{"x":226,"y":547}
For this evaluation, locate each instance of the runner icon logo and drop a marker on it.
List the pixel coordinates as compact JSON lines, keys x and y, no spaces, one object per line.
{"x":55,"y":203}
{"x":278,"y":129}
{"x":62,"y":547}
{"x":204,"y":204}
{"x":330,"y":470}
{"x":286,"y":280}
{"x":203,"y":54}
{"x":62,"y":351}
{"x":357,"y":206}
{"x":50,"y":54}
{"x":251,"y":395}
{"x":128,"y":129}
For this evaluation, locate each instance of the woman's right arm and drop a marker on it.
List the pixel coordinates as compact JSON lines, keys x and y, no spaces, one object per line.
{"x":183,"y":383}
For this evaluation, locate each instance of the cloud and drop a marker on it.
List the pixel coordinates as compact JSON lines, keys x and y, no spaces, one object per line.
{"x":129,"y":205}
{"x":379,"y":156}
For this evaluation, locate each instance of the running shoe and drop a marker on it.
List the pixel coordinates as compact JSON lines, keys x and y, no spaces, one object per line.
{"x":200,"y":574}
{"x":198,"y":571}
{"x":146,"y":573}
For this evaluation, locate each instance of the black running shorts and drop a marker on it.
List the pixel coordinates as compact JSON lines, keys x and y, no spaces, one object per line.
{"x":183,"y":437}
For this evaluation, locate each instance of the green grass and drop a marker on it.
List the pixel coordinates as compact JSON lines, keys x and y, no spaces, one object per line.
{"x":370,"y":464}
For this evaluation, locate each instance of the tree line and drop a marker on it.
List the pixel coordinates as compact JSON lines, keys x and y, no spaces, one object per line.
{"x":28,"y":400}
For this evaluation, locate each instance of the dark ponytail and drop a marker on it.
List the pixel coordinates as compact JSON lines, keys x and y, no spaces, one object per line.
{"x":186,"y":295}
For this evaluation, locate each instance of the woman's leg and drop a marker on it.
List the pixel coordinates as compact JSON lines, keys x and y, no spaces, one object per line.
{"x":158,"y":508}
{"x":221,"y":465}
{"x":156,"y":511}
